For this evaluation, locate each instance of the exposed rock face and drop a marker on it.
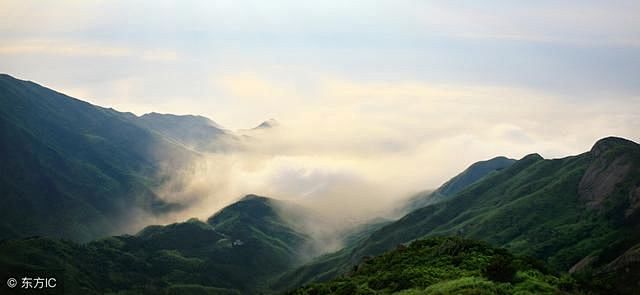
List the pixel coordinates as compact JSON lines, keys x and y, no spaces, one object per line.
{"x":634,"y":204}
{"x":582,"y":264}
{"x":627,"y":261}
{"x":601,"y":178}
{"x":605,"y":172}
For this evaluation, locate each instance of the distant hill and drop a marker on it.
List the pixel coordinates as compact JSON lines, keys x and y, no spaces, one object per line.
{"x":237,"y":250}
{"x":195,"y":132}
{"x":475,"y":172}
{"x":72,"y":169}
{"x":578,"y":213}
{"x":271,"y":123}
{"x":466,"y":178}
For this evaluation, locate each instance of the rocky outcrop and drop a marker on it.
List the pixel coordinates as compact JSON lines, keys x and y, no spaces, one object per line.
{"x":601,"y":178}
{"x":629,"y":260}
{"x":606,"y":170}
{"x":583,"y":264}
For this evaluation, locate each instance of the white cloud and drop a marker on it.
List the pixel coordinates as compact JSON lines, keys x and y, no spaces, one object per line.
{"x":351,"y":149}
{"x":75,"y":49}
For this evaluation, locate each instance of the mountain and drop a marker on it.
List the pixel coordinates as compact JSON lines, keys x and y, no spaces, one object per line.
{"x":472,"y":174}
{"x":258,"y":222}
{"x":446,"y":266}
{"x":469,"y":176}
{"x":579,"y":213}
{"x":238,"y":249}
{"x":75,"y":170}
{"x":195,"y":132}
{"x":72,"y":170}
{"x":331,"y":265}
{"x":271,"y":123}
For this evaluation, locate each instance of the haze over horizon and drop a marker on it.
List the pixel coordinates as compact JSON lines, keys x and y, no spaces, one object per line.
{"x":377,"y":99}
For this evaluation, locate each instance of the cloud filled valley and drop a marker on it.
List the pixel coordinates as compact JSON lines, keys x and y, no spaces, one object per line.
{"x":320,"y":147}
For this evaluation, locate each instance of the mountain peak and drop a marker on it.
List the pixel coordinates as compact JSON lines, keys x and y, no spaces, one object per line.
{"x":250,"y":206}
{"x":474,"y":173}
{"x":607,"y":143}
{"x":192,"y":119}
{"x":534,"y":156}
{"x":268,"y":124}
{"x":251,"y":197}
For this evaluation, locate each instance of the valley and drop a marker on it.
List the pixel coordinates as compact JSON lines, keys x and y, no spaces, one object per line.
{"x":73,"y":174}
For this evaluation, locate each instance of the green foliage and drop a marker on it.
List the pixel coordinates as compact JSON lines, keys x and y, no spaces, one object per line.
{"x":198,"y":290}
{"x":192,"y":257}
{"x":500,"y":269}
{"x":441,"y":265}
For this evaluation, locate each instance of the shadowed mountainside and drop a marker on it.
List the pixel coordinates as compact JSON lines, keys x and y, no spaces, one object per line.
{"x":194,"y":132}
{"x":74,"y":170}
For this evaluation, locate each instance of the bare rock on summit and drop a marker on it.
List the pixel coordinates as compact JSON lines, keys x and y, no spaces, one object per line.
{"x":606,"y":171}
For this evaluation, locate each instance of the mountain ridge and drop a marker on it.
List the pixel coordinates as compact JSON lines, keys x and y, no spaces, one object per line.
{"x":73,"y":168}
{"x":532,"y":208}
{"x":462,"y":180}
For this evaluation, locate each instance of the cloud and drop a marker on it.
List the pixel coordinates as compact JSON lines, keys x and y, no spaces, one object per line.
{"x":251,"y":89}
{"x":352,"y":150}
{"x":583,"y":23}
{"x":62,"y":48}
{"x":82,"y":49}
{"x":160,"y":55}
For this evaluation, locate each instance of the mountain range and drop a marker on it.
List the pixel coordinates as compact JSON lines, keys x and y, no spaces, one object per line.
{"x":577,"y":214}
{"x":75,"y":169}
{"x":74,"y":173}
{"x":236,"y":250}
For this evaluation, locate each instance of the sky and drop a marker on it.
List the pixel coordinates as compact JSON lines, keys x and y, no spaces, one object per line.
{"x":369,"y":92}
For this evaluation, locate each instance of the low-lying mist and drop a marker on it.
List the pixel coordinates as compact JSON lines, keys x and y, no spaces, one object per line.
{"x":354,"y":152}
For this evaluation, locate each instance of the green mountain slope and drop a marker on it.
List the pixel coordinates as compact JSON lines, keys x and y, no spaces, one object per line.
{"x":537,"y":207}
{"x":71,"y":169}
{"x":446,"y":266}
{"x":475,"y":172}
{"x":238,"y":250}
{"x":469,"y":176}
{"x":562,"y":211}
{"x":333,"y":264}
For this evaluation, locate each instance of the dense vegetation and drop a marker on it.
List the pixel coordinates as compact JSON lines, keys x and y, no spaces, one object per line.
{"x":446,"y":266}
{"x":237,"y":250}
